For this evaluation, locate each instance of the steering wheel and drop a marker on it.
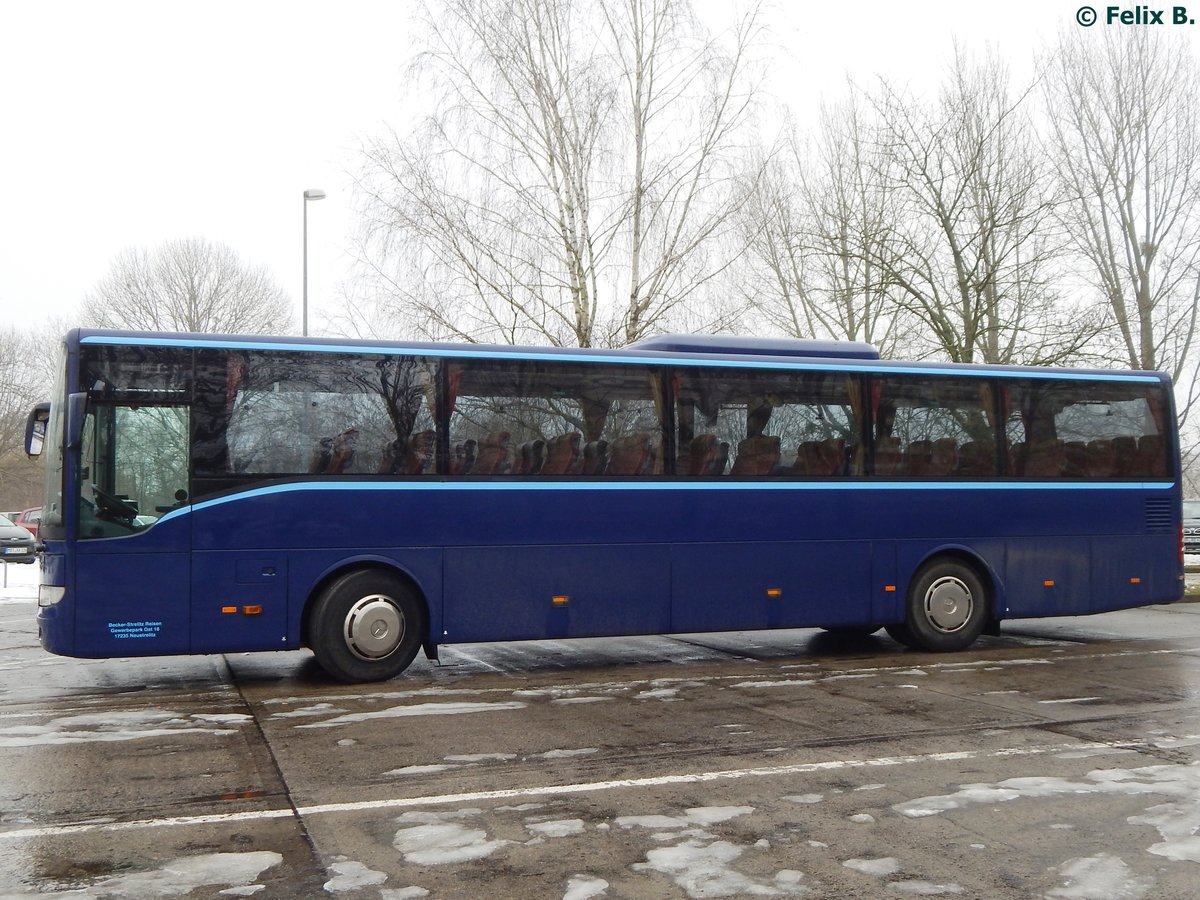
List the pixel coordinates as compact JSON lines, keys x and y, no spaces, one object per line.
{"x":112,"y":507}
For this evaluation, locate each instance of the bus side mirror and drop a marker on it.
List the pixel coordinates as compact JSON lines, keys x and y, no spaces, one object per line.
{"x":76,"y":410}
{"x":35,"y":430}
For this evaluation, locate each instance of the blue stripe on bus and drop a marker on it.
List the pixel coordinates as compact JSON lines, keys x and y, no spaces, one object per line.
{"x":669,"y":486}
{"x":800,"y":363}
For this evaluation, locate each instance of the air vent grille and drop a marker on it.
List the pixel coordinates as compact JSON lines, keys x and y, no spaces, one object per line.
{"x":1158,"y":515}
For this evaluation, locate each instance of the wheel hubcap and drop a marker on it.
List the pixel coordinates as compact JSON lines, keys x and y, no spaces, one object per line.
{"x":948,"y":604}
{"x":374,"y":627}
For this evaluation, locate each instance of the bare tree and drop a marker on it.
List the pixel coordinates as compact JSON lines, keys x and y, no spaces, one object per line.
{"x":815,"y":227}
{"x":970,"y":252}
{"x":188,"y":285}
{"x":1124,"y":113}
{"x":22,"y":384}
{"x":578,"y":178}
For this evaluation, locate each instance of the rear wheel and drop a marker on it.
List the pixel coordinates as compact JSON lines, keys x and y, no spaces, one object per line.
{"x":947,"y":607}
{"x":367,"y":625}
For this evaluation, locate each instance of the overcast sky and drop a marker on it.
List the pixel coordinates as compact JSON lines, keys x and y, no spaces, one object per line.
{"x":132,"y":123}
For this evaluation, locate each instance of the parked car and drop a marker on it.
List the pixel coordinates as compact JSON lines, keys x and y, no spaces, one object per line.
{"x":16,"y":543}
{"x":29,"y":519}
{"x":1191,"y":526}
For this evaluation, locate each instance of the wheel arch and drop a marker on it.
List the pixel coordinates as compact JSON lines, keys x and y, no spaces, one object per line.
{"x":975,"y":560}
{"x":364,"y":563}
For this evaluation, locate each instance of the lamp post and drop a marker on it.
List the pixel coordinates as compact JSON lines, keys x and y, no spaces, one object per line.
{"x":310,"y":194}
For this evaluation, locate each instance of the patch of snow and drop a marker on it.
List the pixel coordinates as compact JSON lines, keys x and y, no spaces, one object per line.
{"x":351,"y":875}
{"x":1177,"y":821}
{"x":582,"y":887}
{"x":320,"y":709}
{"x":567,"y":754}
{"x":1100,"y":876}
{"x":556,"y":828}
{"x":443,"y":843}
{"x":104,"y":728}
{"x":419,"y":709}
{"x":421,"y":770}
{"x":924,"y":888}
{"x":480,"y":757}
{"x":179,"y":877}
{"x":863,"y":819}
{"x":794,"y":682}
{"x":805,"y":798}
{"x":880,"y":868}
{"x":411,"y":892}
{"x":703,"y":870}
{"x":697,"y":815}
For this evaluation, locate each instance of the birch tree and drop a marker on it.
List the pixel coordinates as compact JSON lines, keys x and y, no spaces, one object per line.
{"x":1124,"y":124}
{"x":578,"y":180}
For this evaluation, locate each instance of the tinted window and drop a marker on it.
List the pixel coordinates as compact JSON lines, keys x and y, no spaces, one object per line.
{"x":305,"y":413}
{"x":1086,"y":429}
{"x":534,"y":418}
{"x":755,"y":423}
{"x":933,"y":427}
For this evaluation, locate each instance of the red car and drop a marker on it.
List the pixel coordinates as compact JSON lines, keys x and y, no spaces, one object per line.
{"x":29,"y":519}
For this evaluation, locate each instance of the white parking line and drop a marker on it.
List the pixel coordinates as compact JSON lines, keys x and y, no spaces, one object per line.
{"x":44,"y":831}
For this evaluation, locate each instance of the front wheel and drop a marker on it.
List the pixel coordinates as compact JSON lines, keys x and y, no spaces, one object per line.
{"x":947,"y":607}
{"x":367,"y":625}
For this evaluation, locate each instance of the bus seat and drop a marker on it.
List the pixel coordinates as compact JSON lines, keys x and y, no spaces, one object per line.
{"x":887,"y":455}
{"x":1101,"y":459}
{"x":720,"y":459}
{"x":808,"y":458}
{"x":1044,"y":458}
{"x":464,"y":457}
{"x":495,"y":456}
{"x":1075,"y":454}
{"x":976,"y":458}
{"x":387,"y":459}
{"x":702,"y":453}
{"x":832,"y":455}
{"x":943,"y":456}
{"x":595,"y":457}
{"x":533,"y":457}
{"x":630,"y":455}
{"x":1125,"y":453}
{"x":756,"y":455}
{"x":322,"y":452}
{"x":1149,"y":459}
{"x":419,"y":454}
{"x":916,"y":458}
{"x":562,"y":454}
{"x":342,"y":451}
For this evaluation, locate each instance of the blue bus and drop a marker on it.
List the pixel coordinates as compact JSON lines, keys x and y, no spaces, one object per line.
{"x":367,"y":500}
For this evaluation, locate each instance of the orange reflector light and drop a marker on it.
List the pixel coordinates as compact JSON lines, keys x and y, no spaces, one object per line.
{"x":774,"y":593}
{"x":889,"y":589}
{"x":255,"y":610}
{"x":228,"y":609}
{"x":560,"y":599}
{"x":1135,"y":581}
{"x":1047,"y":584}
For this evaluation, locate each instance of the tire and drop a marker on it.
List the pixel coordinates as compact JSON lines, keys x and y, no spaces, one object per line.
{"x":947,"y":608}
{"x":899,"y":632}
{"x":367,"y":625}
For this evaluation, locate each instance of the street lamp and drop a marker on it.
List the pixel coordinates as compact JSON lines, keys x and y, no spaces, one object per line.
{"x":310,"y":194}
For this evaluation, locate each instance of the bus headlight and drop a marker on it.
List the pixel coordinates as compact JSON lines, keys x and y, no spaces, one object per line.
{"x":49,"y":594}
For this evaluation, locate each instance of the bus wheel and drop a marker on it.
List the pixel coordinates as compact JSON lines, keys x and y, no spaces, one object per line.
{"x":947,"y":607}
{"x":366,"y":626}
